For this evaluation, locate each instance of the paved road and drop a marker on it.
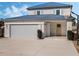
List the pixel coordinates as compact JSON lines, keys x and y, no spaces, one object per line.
{"x":51,"y":46}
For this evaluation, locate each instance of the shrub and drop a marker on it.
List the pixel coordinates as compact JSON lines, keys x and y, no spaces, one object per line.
{"x":70,"y":35}
{"x":39,"y":34}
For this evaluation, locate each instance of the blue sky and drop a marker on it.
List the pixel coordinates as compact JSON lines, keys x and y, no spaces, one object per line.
{"x":16,"y":9}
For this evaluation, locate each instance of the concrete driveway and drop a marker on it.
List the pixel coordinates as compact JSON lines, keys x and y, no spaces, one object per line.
{"x":51,"y":46}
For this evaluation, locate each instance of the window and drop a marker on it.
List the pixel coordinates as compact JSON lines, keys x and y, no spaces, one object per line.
{"x":38,"y":12}
{"x":58,"y":25}
{"x":57,"y":12}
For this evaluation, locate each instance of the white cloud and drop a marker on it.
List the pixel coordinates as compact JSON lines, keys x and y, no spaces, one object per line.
{"x":23,"y":9}
{"x":15,"y":12}
{"x":7,"y":11}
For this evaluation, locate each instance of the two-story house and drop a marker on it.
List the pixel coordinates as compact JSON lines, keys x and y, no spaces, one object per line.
{"x":52,"y":18}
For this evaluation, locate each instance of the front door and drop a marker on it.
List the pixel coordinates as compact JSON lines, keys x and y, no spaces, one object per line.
{"x":58,"y":30}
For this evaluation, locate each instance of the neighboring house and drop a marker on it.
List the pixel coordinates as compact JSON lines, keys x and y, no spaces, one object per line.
{"x":52,"y":18}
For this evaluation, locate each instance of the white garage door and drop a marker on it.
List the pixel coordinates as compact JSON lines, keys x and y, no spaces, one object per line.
{"x":24,"y":31}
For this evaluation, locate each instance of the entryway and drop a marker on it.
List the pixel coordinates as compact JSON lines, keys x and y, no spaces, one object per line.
{"x":58,"y":29}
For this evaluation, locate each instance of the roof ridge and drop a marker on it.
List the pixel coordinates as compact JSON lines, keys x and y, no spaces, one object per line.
{"x":49,"y":4}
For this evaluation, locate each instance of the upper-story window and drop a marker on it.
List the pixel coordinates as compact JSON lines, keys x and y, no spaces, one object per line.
{"x":38,"y":12}
{"x":57,"y":12}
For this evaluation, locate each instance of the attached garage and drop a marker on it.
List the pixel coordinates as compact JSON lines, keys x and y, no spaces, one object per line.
{"x":24,"y":31}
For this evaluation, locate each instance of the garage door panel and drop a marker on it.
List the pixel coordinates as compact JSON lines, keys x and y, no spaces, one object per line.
{"x":24,"y":31}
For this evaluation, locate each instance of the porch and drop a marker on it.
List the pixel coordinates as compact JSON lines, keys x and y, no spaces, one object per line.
{"x":55,"y":28}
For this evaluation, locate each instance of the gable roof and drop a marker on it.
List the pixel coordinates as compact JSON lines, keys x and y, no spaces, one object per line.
{"x":50,"y":5}
{"x":36,"y":18}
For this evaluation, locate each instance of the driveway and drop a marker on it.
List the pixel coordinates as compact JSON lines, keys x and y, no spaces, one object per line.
{"x":50,"y":46}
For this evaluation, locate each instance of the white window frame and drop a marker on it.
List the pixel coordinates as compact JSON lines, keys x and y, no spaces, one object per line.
{"x":56,"y":10}
{"x":37,"y":11}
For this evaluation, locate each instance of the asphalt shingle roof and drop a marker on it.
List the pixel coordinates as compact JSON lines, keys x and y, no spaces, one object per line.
{"x":36,"y":18}
{"x":49,"y":5}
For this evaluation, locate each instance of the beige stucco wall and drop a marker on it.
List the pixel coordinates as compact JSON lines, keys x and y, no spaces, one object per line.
{"x":66,"y":11}
{"x":6,"y":30}
{"x":63,"y":11}
{"x":69,"y":25}
{"x":54,"y":27}
{"x":47,"y":29}
{"x":31,"y":12}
